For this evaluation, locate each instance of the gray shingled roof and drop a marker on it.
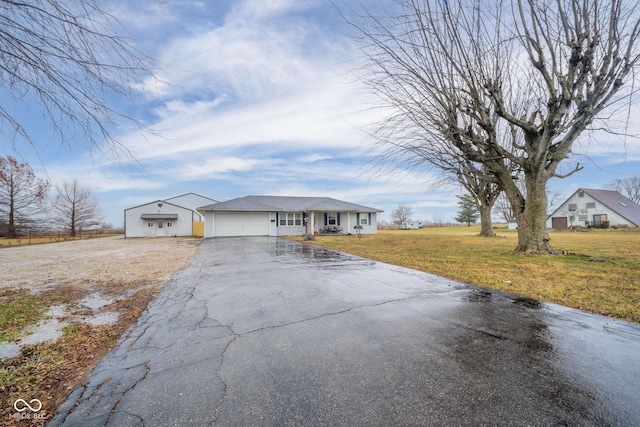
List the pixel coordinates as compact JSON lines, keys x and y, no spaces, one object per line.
{"x":618,"y":203}
{"x":286,"y":204}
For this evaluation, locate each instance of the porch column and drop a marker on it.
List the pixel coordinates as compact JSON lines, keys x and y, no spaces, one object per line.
{"x":348,"y":222}
{"x":313,"y":222}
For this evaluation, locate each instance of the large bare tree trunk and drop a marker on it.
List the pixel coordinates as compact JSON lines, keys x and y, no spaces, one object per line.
{"x":532,"y":220}
{"x":486,"y":224}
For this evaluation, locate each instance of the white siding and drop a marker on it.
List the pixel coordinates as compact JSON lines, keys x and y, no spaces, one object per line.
{"x":370,"y":228}
{"x":582,"y":210}
{"x":191,"y":201}
{"x":137,"y":227}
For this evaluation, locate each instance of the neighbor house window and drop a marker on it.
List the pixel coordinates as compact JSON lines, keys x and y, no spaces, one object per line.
{"x":169,"y":224}
{"x":599,"y":219}
{"x":573,"y":206}
{"x":149,"y":224}
{"x":290,"y":218}
{"x":591,"y":205}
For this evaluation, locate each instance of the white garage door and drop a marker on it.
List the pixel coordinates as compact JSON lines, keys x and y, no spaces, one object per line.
{"x":241,"y":224}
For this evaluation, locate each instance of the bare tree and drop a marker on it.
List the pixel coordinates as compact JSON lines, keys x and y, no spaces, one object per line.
{"x":629,"y":187}
{"x":410,"y":151}
{"x":22,"y":195}
{"x":504,"y":209}
{"x":68,"y":59}
{"x":76,"y":206}
{"x":510,"y":86}
{"x":484,"y":192}
{"x":401,"y":214}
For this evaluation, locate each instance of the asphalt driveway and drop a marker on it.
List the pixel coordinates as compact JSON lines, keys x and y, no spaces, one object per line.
{"x":268,"y":332}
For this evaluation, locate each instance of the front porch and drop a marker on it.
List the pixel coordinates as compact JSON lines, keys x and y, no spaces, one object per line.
{"x":331,"y":229}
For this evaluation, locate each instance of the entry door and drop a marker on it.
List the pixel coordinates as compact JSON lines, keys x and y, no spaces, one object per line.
{"x":160,"y":228}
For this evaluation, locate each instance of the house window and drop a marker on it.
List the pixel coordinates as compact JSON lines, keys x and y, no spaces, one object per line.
{"x":332,"y":218}
{"x":573,"y":207}
{"x":581,"y":194}
{"x":363,"y":220}
{"x":599,"y":219}
{"x":290,"y":219}
{"x":591,"y":205}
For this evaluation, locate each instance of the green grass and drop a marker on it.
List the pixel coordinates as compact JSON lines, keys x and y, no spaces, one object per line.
{"x":601,"y":273}
{"x":27,"y":374}
{"x":16,"y":313}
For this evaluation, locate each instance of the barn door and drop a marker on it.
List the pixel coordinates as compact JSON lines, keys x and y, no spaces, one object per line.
{"x":160,"y":228}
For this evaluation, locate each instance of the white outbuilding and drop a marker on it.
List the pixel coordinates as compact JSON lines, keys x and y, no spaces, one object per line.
{"x":170,"y":217}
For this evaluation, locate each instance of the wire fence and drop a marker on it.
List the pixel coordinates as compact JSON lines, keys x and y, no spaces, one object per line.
{"x":36,"y":238}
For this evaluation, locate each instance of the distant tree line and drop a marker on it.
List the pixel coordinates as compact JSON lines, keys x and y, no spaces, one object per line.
{"x":28,"y":204}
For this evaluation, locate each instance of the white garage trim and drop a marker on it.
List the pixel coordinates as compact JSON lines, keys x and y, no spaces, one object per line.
{"x":241,"y":224}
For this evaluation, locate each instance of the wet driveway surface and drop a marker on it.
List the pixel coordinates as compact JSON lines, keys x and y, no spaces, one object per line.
{"x":268,"y":332}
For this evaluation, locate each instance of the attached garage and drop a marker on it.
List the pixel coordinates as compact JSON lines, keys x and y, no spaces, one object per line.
{"x":228,"y":224}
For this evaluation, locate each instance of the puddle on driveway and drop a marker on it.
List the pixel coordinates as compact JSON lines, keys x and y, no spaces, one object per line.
{"x":295,"y":252}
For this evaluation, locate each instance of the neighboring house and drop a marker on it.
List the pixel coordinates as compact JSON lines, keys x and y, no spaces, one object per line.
{"x":169,"y":217}
{"x":287,"y":216}
{"x":591,"y":208}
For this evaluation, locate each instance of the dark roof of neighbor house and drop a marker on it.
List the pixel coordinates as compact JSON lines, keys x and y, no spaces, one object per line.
{"x":615,"y":201}
{"x":286,"y":204}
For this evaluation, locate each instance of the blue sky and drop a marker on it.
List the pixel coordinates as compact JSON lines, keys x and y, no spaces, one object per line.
{"x":259,"y":97}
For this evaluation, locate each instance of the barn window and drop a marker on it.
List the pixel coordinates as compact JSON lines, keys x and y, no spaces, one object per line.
{"x":591,"y":205}
{"x":573,"y":206}
{"x":580,"y":194}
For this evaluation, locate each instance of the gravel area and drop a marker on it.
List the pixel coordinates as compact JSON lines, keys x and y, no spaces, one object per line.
{"x":95,"y":288}
{"x":99,"y":261}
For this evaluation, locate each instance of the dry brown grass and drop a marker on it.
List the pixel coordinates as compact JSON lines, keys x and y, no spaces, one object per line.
{"x":53,"y":238}
{"x":601,"y":273}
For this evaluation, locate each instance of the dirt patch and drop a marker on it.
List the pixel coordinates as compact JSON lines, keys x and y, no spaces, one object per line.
{"x":103,"y":285}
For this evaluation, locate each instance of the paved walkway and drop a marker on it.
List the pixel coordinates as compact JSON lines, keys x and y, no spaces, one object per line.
{"x":268,"y":332}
